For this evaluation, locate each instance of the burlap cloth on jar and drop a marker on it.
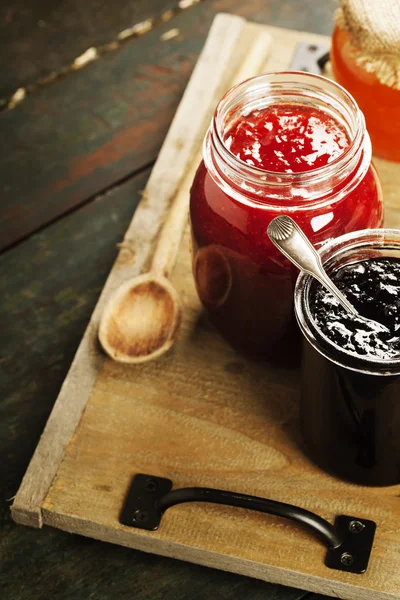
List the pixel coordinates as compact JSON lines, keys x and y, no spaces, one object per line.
{"x":374,"y":28}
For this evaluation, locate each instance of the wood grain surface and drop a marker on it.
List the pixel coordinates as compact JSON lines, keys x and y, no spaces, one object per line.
{"x":76,"y":138}
{"x":43,"y":312}
{"x":40,"y":38}
{"x":46,"y":305}
{"x":134,"y":258}
{"x":203,"y":416}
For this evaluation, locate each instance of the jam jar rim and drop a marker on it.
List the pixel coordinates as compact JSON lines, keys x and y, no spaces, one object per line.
{"x":297,"y":174}
{"x":352,"y":164}
{"x":350,"y":242}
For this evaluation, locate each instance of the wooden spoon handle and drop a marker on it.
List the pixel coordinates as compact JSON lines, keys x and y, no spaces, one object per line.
{"x":255,"y":60}
{"x":170,"y":237}
{"x":206,"y":85}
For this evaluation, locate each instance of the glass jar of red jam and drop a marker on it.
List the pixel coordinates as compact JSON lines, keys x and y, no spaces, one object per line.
{"x":281,"y":143}
{"x":350,"y":409}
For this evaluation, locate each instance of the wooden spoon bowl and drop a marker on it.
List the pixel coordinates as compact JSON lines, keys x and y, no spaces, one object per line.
{"x":141,"y":319}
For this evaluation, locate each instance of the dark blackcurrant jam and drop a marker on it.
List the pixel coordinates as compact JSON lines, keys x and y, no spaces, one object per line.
{"x":350,"y":401}
{"x":373,"y":287}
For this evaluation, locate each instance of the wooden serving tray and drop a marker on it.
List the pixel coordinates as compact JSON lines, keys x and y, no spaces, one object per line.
{"x":201,"y":415}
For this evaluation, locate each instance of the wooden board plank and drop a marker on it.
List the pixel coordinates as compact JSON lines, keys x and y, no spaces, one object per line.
{"x":40,"y":38}
{"x":72,"y":140}
{"x":227,"y":415}
{"x":232,"y":425}
{"x":44,"y":311}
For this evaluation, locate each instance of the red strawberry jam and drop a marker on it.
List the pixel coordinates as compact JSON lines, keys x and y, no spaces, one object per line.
{"x":287,"y":138}
{"x":279,"y":158}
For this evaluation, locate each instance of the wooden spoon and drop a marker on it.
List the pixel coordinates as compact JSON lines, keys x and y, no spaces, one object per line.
{"x":143,"y":316}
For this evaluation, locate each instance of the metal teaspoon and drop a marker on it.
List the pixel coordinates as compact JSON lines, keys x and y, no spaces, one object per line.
{"x":294,"y":244}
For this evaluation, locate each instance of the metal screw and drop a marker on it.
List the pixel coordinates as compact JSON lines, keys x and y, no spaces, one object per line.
{"x":346,"y":559}
{"x":151,"y":485}
{"x":312,"y":48}
{"x":140,"y":516}
{"x":356,"y":526}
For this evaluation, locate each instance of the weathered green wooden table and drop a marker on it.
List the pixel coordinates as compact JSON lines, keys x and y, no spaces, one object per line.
{"x":75,"y":154}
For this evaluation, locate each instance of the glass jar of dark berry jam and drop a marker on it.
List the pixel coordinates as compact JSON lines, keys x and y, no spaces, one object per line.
{"x":350,"y":406}
{"x":291,"y":143}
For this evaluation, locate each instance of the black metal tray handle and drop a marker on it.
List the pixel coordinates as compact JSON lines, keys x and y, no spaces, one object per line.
{"x":349,"y":540}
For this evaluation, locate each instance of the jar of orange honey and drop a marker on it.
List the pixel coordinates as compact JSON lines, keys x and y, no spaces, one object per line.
{"x":366,"y":61}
